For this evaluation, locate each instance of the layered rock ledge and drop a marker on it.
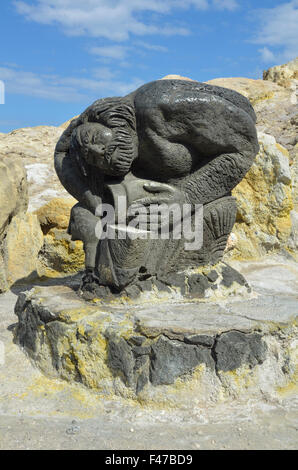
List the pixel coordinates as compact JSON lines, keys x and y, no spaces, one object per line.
{"x":162,"y":351}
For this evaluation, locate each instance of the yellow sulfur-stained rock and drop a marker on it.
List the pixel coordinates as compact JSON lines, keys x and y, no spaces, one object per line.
{"x":255,"y":90}
{"x":55,"y":214}
{"x":13,"y":190}
{"x":66,"y":124}
{"x":285,"y":75}
{"x":264,"y":199}
{"x":60,"y":255}
{"x":21,"y":247}
{"x":177,"y":77}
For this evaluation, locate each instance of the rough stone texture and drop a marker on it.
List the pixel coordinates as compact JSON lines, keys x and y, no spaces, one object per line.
{"x":35,"y":146}
{"x":264,"y":202}
{"x":177,"y":77}
{"x":276,"y":115}
{"x":37,"y":412}
{"x":20,"y":248}
{"x":234,"y":348}
{"x":171,"y":359}
{"x":55,"y":214}
{"x":13,"y":190}
{"x":294,"y":174}
{"x":59,"y":255}
{"x":15,"y":227}
{"x":169,"y":349}
{"x":183,"y":141}
{"x":275,"y":107}
{"x":285,"y":75}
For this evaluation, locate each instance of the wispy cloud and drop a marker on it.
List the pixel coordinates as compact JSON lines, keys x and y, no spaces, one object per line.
{"x":112,"y":52}
{"x":115,"y":20}
{"x":151,"y":47}
{"x":278,"y":32}
{"x":267,"y":55}
{"x":226,"y":4}
{"x":65,"y":89}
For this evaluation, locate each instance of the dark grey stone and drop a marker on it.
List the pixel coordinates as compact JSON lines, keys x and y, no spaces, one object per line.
{"x":203,"y":340}
{"x":197,"y":283}
{"x":141,"y":350}
{"x":212,"y":275}
{"x":132,"y":291}
{"x":171,"y":359}
{"x":169,"y":141}
{"x":141,"y":372}
{"x":137,"y":340}
{"x":175,"y":280}
{"x":234,"y":348}
{"x":230,"y":275}
{"x":121,"y":359}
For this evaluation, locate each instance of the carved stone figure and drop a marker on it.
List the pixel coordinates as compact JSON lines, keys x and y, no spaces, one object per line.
{"x":170,"y":141}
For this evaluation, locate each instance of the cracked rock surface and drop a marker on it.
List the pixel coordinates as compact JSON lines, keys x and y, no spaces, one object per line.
{"x":38,"y":412}
{"x":161,"y":348}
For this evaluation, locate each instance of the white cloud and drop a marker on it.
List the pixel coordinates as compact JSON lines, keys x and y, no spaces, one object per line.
{"x":266,"y":54}
{"x":65,"y":89}
{"x":151,"y":47}
{"x":279,"y":30}
{"x":225,"y":4}
{"x":111,"y":19}
{"x":111,"y":52}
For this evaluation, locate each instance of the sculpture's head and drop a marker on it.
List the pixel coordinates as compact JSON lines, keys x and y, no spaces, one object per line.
{"x":95,"y":144}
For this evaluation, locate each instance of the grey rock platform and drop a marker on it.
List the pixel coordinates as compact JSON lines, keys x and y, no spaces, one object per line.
{"x":161,"y":350}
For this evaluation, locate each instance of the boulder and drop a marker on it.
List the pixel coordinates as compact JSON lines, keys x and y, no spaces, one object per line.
{"x":55,"y":214}
{"x":20,"y":248}
{"x":13,"y":190}
{"x":59,"y":255}
{"x":176,"y":77}
{"x":13,"y":203}
{"x":285,"y":75}
{"x":35,"y":147}
{"x":274,"y":106}
{"x":264,"y":200}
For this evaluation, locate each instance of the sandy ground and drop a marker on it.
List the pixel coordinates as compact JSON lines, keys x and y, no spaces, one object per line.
{"x":41,"y":413}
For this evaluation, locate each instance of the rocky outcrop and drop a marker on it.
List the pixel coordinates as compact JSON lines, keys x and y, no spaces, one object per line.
{"x":13,"y":203}
{"x":285,"y":75}
{"x":20,"y":248}
{"x":264,"y":201}
{"x":274,"y":105}
{"x":13,"y":190}
{"x":267,"y":210}
{"x":59,"y":255}
{"x":35,"y":147}
{"x":162,"y":351}
{"x":275,"y":102}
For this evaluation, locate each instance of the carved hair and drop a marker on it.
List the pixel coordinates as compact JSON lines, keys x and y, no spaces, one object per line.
{"x":80,"y":138}
{"x":118,"y":115}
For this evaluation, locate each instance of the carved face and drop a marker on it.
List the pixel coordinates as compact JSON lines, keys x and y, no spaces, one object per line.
{"x":93,"y":141}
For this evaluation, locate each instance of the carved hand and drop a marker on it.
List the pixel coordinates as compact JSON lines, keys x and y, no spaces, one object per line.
{"x":160,"y":193}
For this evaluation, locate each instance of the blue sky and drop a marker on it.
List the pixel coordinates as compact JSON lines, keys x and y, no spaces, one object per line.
{"x":58,"y":56}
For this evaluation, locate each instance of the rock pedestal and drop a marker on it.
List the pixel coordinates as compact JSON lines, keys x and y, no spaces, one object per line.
{"x":160,"y":350}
